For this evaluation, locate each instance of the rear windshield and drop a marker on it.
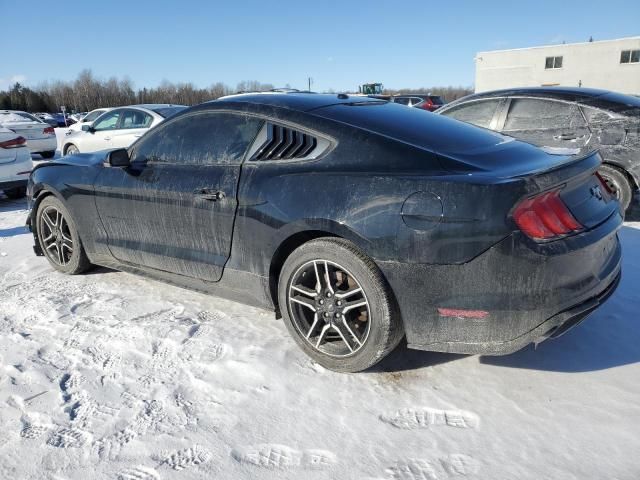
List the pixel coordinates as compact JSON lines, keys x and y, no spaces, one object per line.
{"x":166,"y":112}
{"x":414,"y":126}
{"x":436,"y":100}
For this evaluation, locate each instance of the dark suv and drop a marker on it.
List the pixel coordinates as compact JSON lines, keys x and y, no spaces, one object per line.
{"x":418,"y":100}
{"x":563,"y":117}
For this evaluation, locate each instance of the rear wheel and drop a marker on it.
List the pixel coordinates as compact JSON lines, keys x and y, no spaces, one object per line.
{"x":58,"y":237}
{"x":15,"y":193}
{"x":47,"y":154}
{"x":337,"y":306}
{"x":71,"y":149}
{"x":618,"y":183}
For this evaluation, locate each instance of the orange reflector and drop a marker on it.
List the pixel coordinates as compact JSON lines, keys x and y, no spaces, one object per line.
{"x":457,"y":313}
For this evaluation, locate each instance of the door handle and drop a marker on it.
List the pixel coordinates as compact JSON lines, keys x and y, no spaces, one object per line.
{"x":209,"y":194}
{"x":107,"y":138}
{"x":569,"y":136}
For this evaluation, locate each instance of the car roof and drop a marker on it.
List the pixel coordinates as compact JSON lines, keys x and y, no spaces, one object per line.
{"x":560,"y":93}
{"x":301,"y":101}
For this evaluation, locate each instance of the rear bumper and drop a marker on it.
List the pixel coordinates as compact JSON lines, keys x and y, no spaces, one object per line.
{"x":527,"y":295}
{"x":38,"y":145}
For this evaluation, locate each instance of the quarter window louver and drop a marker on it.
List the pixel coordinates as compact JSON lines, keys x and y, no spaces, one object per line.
{"x":284,"y":143}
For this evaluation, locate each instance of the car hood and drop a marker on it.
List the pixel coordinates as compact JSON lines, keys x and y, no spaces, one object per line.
{"x":79,"y":160}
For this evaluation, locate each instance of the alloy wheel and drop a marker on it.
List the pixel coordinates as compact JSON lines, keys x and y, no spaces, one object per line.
{"x":57,"y":241}
{"x":329,"y":308}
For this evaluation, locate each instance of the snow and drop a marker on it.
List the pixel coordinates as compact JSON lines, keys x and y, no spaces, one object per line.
{"x":109,"y":375}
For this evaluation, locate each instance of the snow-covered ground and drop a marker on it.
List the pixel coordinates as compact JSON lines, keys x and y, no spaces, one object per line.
{"x":108,"y":375}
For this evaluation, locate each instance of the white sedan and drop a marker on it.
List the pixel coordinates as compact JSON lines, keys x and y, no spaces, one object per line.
{"x":117,"y":128}
{"x":15,"y":164}
{"x":40,"y":136}
{"x":88,"y":119}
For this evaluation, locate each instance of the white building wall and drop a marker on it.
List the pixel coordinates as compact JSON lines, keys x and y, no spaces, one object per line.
{"x":591,"y":64}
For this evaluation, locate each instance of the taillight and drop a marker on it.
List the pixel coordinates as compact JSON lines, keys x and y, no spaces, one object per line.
{"x":427,"y":104}
{"x":545,"y":216}
{"x":49,"y":131}
{"x":14,"y":143}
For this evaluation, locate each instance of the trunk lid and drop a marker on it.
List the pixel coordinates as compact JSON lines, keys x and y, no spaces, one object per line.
{"x":28,"y":130}
{"x":580,"y":188}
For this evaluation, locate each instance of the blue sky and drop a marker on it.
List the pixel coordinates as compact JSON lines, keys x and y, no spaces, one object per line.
{"x":340,"y":44}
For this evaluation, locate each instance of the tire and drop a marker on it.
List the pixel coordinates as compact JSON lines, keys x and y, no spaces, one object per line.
{"x":71,"y":149}
{"x":16,"y":193}
{"x":50,"y":154}
{"x":361,"y":328}
{"x":617,"y":181}
{"x":73,"y":259}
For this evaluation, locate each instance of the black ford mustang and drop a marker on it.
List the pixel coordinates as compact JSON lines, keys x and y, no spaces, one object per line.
{"x":361,"y":221}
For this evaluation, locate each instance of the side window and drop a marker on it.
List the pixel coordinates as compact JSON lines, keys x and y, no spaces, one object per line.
{"x":478,"y":113}
{"x":135,"y":119}
{"x":595,"y":115}
{"x":199,"y":139}
{"x":402,"y":100}
{"x":108,"y":121}
{"x":539,"y":114}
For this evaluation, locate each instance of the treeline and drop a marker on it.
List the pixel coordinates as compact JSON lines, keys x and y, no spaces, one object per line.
{"x":88,"y":92}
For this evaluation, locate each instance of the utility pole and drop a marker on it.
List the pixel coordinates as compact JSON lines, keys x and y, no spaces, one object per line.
{"x":310,"y":81}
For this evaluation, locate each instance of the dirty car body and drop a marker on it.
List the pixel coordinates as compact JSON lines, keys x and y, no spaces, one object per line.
{"x":429,"y":199}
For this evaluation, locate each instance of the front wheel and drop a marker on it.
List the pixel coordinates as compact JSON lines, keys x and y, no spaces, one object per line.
{"x":337,"y":305}
{"x":59,"y":239}
{"x":71,"y":149}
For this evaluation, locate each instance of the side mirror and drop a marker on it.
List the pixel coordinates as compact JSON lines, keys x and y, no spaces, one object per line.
{"x":88,"y":128}
{"x":117,"y":158}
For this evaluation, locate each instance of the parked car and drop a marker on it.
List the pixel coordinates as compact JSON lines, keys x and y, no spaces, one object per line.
{"x":418,"y":100}
{"x":117,"y":127}
{"x":561,"y":117}
{"x":40,"y":136}
{"x":88,"y":119}
{"x":15,"y":164}
{"x":358,"y":220}
{"x":76,"y":117}
{"x":47,"y":118}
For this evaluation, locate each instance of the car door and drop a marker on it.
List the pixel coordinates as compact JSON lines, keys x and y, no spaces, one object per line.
{"x":99,"y":138}
{"x":482,"y":113}
{"x":545,"y":122}
{"x":174,"y":207}
{"x":132,"y":125}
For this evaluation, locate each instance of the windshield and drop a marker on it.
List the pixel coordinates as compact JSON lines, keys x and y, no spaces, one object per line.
{"x":166,"y":112}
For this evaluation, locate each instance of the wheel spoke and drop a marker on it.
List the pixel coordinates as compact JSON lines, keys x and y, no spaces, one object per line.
{"x":306,"y":302}
{"x":68,"y":245}
{"x":351,"y":305}
{"x":322,"y":334}
{"x":326,"y":276}
{"x":46,"y":239}
{"x":318,"y":282}
{"x":48,"y":221}
{"x":348,"y":293}
{"x":335,"y":327}
{"x":346,"y":324}
{"x":58,"y":221}
{"x":304,"y":290}
{"x":313,"y":325}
